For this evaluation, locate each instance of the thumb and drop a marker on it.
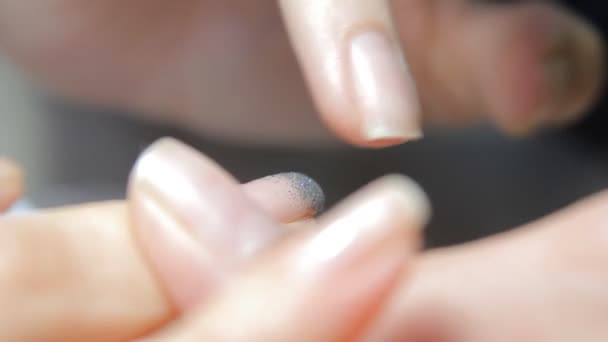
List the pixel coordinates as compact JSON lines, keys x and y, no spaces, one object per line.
{"x":194,"y":222}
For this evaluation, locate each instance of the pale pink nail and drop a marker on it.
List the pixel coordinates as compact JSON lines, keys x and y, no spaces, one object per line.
{"x":384,"y":89}
{"x":192,"y":220}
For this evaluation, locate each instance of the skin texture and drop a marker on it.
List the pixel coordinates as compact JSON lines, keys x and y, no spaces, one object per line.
{"x":522,"y":65}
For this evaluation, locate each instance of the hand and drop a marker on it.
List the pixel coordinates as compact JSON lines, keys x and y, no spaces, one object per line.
{"x":211,"y":66}
{"x":77,"y":274}
{"x":117,"y":271}
{"x":542,"y":282}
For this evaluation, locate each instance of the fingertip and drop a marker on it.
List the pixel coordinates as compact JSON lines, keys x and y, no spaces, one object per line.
{"x":307,"y":190}
{"x":287,"y":197}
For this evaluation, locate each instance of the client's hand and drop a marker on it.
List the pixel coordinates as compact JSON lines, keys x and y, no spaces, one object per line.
{"x":192,"y":255}
{"x":543,"y":282}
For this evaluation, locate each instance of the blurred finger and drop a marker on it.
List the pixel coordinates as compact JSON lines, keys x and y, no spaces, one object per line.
{"x":351,"y":56}
{"x":78,"y":274}
{"x":11,"y":183}
{"x":310,"y":287}
{"x":287,"y":197}
{"x":523,"y":64}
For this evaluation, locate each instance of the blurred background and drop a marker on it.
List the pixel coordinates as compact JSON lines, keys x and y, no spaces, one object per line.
{"x":479,"y":181}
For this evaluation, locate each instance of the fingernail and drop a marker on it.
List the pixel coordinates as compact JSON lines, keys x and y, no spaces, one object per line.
{"x":380,"y":225}
{"x":196,"y":192}
{"x":192,"y":219}
{"x":384,"y":89}
{"x":572,"y":72}
{"x":584,"y":73}
{"x":558,"y":75}
{"x":556,"y":80}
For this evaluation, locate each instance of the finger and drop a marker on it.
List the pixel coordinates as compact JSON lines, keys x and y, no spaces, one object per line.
{"x":321,"y":285}
{"x":524,"y":65}
{"x":515,"y":287}
{"x":180,"y":200}
{"x":11,"y":183}
{"x":75,"y":275}
{"x":287,"y":197}
{"x":351,"y":56}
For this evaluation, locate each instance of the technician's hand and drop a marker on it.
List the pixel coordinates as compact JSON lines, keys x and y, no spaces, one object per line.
{"x":375,"y":68}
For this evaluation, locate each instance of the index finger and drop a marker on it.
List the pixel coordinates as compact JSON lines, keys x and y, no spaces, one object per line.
{"x":351,"y":55}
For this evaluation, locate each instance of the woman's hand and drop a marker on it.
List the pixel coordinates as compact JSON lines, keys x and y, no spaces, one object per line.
{"x":78,"y":273}
{"x":191,"y":241}
{"x":375,"y":68}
